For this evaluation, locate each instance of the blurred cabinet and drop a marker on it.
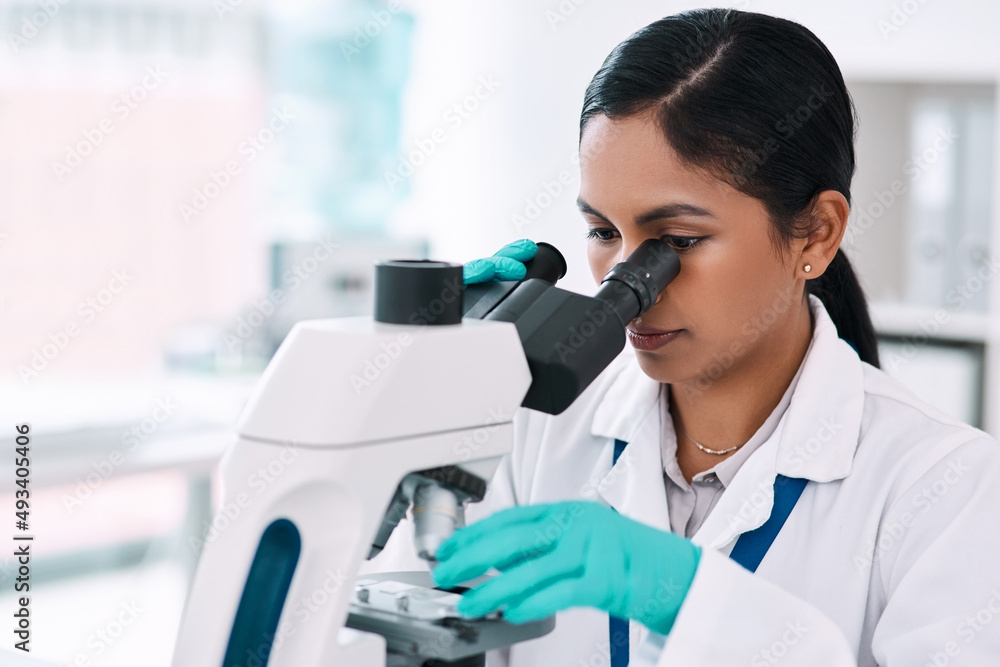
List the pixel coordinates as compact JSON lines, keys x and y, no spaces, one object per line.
{"x":342,"y":286}
{"x":922,"y":239}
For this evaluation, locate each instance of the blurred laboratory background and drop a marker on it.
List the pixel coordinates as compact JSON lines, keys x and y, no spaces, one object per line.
{"x":182,"y":180}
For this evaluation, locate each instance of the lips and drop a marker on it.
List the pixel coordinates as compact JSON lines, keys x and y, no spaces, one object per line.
{"x":647,"y":338}
{"x":648,"y":331}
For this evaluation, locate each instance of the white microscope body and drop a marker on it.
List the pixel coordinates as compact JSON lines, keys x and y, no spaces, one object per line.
{"x":354,"y":419}
{"x":343,"y":447}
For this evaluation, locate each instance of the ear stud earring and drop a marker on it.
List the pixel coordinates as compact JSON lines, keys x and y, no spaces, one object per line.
{"x":807,"y":268}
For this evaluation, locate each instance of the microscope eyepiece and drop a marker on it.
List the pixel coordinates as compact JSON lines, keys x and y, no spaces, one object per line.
{"x":631,"y":287}
{"x":569,"y":338}
{"x":548,"y":264}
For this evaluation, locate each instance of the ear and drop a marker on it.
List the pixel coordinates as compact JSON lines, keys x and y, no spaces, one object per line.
{"x":829,"y":214}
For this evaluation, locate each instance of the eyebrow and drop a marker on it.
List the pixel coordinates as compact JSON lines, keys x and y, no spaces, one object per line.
{"x":658,"y":213}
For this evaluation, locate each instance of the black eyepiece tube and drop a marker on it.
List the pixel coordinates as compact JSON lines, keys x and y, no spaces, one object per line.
{"x":631,"y":287}
{"x":548,"y":264}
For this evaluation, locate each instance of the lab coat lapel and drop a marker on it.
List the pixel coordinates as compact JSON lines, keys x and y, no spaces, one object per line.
{"x":824,"y":416}
{"x":816,"y":438}
{"x":630,"y":412}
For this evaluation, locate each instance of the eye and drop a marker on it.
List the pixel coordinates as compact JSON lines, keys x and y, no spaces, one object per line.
{"x":600,"y":235}
{"x":682,"y":243}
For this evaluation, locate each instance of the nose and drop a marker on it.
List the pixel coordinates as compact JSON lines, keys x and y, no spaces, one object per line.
{"x":628,"y":247}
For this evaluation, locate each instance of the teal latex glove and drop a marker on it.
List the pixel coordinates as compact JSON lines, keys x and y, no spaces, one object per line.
{"x":507,"y":263}
{"x":569,"y":554}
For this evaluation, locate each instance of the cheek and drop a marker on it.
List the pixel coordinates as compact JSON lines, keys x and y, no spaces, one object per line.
{"x":742,"y":289}
{"x":717,"y":291}
{"x":600,"y":260}
{"x":706,"y":281}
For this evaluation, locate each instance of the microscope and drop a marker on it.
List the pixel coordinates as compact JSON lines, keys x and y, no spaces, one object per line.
{"x":357,"y":421}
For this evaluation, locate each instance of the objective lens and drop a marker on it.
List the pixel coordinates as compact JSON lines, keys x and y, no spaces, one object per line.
{"x":435,"y":516}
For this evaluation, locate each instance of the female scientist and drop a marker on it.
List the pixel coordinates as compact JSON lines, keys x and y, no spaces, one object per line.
{"x":749,"y":427}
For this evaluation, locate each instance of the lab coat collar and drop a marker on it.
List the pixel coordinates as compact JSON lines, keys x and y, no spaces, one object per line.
{"x":816,"y":439}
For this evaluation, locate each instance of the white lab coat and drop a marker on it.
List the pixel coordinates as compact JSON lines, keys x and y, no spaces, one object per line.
{"x":891,"y":556}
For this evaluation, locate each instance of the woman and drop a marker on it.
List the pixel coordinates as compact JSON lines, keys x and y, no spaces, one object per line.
{"x":730,"y":135}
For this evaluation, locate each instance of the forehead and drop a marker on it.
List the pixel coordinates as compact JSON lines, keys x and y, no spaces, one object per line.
{"x":631,"y":155}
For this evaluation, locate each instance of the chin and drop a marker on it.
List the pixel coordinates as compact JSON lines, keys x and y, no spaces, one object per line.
{"x":677,"y":367}
{"x":659,"y":367}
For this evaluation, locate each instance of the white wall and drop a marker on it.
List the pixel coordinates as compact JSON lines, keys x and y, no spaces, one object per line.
{"x":467,"y":191}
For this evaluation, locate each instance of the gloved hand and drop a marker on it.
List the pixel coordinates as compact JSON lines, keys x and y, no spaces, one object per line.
{"x":507,"y":263}
{"x":569,"y":554}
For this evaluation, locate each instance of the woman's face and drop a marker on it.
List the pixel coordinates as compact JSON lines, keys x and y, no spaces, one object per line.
{"x":734,"y":292}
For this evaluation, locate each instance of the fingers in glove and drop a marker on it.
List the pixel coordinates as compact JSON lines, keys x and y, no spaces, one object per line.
{"x":511,"y":516}
{"x":502,"y":549}
{"x":522,"y":250}
{"x":546,"y":601}
{"x":508,"y":269}
{"x":478,"y":271}
{"x":518,"y":583}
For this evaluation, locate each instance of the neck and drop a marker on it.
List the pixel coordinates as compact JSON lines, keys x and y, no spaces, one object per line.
{"x":730,"y":410}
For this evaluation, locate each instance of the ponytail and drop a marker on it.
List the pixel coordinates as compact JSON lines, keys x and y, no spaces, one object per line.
{"x":839,"y":290}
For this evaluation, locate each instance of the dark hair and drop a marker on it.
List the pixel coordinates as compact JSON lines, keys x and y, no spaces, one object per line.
{"x":759,"y":102}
